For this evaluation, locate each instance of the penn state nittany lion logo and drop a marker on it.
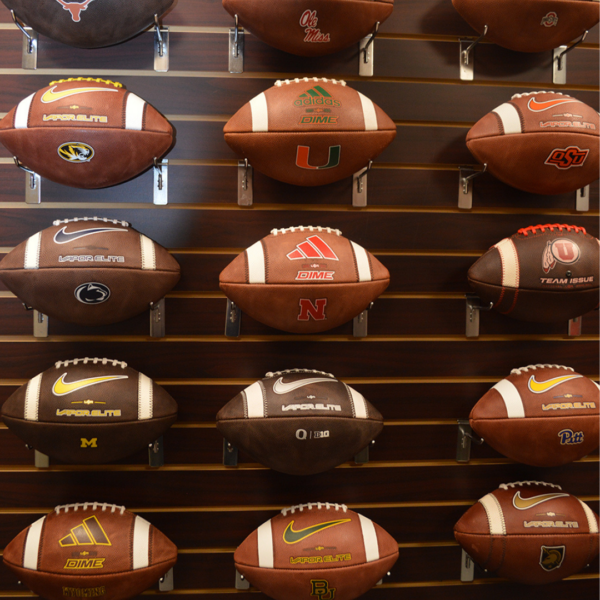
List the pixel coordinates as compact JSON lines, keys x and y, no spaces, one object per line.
{"x":92,"y":293}
{"x":76,"y":152}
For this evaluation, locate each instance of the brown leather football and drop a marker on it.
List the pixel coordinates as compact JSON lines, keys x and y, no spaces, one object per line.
{"x":541,"y":142}
{"x":544,"y":273}
{"x":300,"y":421}
{"x":309,"y":131}
{"x":529,"y":25}
{"x":304,"y":279}
{"x":89,"y":23}
{"x":316,"y":550}
{"x":541,"y":415}
{"x":89,"y":271}
{"x":529,"y":531}
{"x":86,"y":133}
{"x":310,"y":28}
{"x":90,"y":550}
{"x":89,"y":410}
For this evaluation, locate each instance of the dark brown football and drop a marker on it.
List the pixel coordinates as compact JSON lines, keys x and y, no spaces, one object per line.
{"x":89,"y":271}
{"x":89,"y":410}
{"x":299,"y":421}
{"x":544,"y":273}
{"x":90,"y":550}
{"x":530,"y":532}
{"x":540,"y":415}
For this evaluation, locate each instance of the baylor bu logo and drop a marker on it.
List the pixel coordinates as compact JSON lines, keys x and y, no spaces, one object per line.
{"x":321,"y":589}
{"x":303,"y":152}
{"x":316,"y":310}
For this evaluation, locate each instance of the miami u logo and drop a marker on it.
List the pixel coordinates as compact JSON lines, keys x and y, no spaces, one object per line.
{"x":304,"y":151}
{"x":321,"y":589}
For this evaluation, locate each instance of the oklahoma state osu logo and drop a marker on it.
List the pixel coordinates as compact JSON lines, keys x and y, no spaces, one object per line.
{"x":75,"y":8}
{"x":562,"y":251}
{"x":565,"y":158}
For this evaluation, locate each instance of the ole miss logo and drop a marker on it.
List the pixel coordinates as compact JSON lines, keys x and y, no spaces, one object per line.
{"x":565,"y":158}
{"x":562,"y":251}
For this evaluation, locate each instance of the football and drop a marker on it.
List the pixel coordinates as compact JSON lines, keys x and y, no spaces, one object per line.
{"x":89,"y":271}
{"x":310,"y":28}
{"x":542,"y":142}
{"x":89,"y":23}
{"x":544,"y":273}
{"x":304,"y":279}
{"x":318,"y":550}
{"x":309,"y":131}
{"x":541,"y":415}
{"x":529,"y":25}
{"x":86,"y":133}
{"x":529,"y":531}
{"x":89,"y":410}
{"x":299,"y":421}
{"x":90,"y":550}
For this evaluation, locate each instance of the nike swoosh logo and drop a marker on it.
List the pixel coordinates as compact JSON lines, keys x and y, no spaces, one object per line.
{"x":62,"y":388}
{"x":52,"y":96}
{"x":525,"y":503}
{"x":536,"y":106}
{"x":63,"y":237}
{"x":293,"y":537}
{"x":539,"y":387}
{"x":284,"y":388}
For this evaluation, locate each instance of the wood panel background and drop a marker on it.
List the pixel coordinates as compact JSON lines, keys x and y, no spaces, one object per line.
{"x":416,"y":365}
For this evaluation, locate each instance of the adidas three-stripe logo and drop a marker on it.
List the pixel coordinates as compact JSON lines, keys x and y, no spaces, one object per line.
{"x":312,"y":247}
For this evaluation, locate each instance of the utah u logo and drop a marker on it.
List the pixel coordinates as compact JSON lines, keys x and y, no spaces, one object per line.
{"x":321,"y":589}
{"x":304,"y":151}
{"x":316,"y":310}
{"x":75,"y":8}
{"x":562,"y":251}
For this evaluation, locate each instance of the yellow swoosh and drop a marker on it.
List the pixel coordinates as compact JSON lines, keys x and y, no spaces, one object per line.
{"x":539,"y":387}
{"x":52,"y":96}
{"x":62,"y":388}
{"x":290,"y":536}
{"x":525,"y":503}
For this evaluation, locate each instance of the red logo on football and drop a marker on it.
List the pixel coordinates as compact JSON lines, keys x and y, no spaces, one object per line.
{"x":561,"y":250}
{"x":565,"y":158}
{"x":316,"y":310}
{"x":313,"y":247}
{"x":75,"y":8}
{"x":550,"y":20}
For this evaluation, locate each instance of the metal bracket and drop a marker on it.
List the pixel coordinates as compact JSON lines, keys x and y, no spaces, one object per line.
{"x":473,"y":308}
{"x":366,"y":53}
{"x":33,"y":184}
{"x":575,"y":327}
{"x":166,"y":583}
{"x":465,"y":190}
{"x":467,"y":66}
{"x":582,"y":199}
{"x":360,"y":323}
{"x":40,"y":323}
{"x":42,"y":461}
{"x":156,"y":453}
{"x":236,"y":48}
{"x":359,"y":186}
{"x":559,"y":61}
{"x":161,"y":47}
{"x":463,"y":441}
{"x":230,"y":454}
{"x":245,"y":183}
{"x":467,"y":568}
{"x":362,"y":457}
{"x":233,"y":320}
{"x":161,"y":181}
{"x":157,"y":319}
{"x":241,"y":583}
{"x":30,"y":44}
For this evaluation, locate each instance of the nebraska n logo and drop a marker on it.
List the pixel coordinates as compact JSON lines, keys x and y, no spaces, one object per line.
{"x":88,"y":533}
{"x":312,"y":247}
{"x":316,"y":310}
{"x":75,"y":8}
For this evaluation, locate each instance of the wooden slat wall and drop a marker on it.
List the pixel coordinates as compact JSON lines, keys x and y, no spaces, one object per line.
{"x":416,"y":365}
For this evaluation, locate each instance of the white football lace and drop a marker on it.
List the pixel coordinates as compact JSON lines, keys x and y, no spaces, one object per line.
{"x":527,"y":94}
{"x":85,"y":219}
{"x":281,"y":82}
{"x":505,"y":486}
{"x":294,"y":371}
{"x":305,"y":228}
{"x":94,"y":361}
{"x":92,"y":505}
{"x":534,"y":367}
{"x":311,"y":505}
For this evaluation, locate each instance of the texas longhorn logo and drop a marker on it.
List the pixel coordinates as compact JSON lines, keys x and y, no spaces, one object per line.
{"x":561,"y":250}
{"x":565,"y":158}
{"x":75,"y":8}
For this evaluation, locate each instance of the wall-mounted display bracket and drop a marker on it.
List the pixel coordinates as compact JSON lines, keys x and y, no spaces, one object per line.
{"x":582,"y":199}
{"x":167,"y":582}
{"x":156,"y":453}
{"x":559,"y":61}
{"x":33,"y":184}
{"x":574,"y":329}
{"x":241,"y":583}
{"x":161,"y":182}
{"x":233,"y":320}
{"x":366,"y":53}
{"x":30,"y":44}
{"x":463,"y":441}
{"x":41,"y":460}
{"x":245,"y":183}
{"x":161,"y":46}
{"x":467,"y":62}
{"x":230,"y":454}
{"x":465,"y":189}
{"x":474,"y":307}
{"x":236,"y":48}
{"x":359,"y":186}
{"x":360,"y":323}
{"x":40,"y":323}
{"x":362,"y":457}
{"x":157,"y":319}
{"x":467,"y":568}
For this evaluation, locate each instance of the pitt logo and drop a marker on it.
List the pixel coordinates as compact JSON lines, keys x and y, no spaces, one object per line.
{"x":540,"y":387}
{"x":319,"y":275}
{"x":85,"y":563}
{"x":312,"y":247}
{"x":316,"y":96}
{"x":309,"y":21}
{"x":303,"y":153}
{"x":565,"y":158}
{"x":568,"y":437}
{"x":320,"y":588}
{"x":76,"y":152}
{"x":316,"y":310}
{"x":562,"y":251}
{"x":87,"y":533}
{"x":552,"y":557}
{"x":75,"y":8}
{"x":550,"y":20}
{"x":93,"y":443}
{"x":293,"y":537}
